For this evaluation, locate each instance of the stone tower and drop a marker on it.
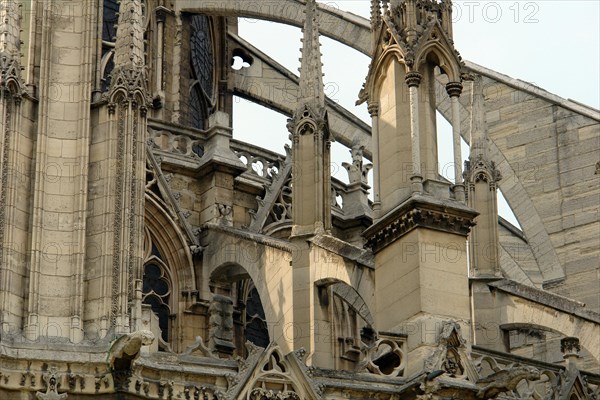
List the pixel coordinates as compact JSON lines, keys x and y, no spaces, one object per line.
{"x":311,"y":180}
{"x":421,"y":223}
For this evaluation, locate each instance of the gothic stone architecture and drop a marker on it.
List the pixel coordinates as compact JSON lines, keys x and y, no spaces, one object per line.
{"x":147,"y":254}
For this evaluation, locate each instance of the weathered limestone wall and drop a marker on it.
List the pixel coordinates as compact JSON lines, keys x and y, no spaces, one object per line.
{"x":61,"y":155}
{"x":17,"y":213}
{"x":413,"y":275}
{"x":102,"y":177}
{"x":517,"y":261}
{"x":553,"y":152}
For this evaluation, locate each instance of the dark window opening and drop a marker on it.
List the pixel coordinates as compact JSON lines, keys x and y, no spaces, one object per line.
{"x":202,"y":63}
{"x":256,"y":325}
{"x":156,"y":291}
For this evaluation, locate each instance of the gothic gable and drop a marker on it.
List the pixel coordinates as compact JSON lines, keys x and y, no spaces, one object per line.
{"x":271,"y":375}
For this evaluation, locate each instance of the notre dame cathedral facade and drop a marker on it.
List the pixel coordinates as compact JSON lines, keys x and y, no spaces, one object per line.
{"x":145,"y":253}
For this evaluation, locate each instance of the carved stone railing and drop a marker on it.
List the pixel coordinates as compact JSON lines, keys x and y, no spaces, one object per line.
{"x":176,"y":140}
{"x":260,"y":163}
{"x":339,"y":191}
{"x":264,"y":165}
{"x":185,"y":146}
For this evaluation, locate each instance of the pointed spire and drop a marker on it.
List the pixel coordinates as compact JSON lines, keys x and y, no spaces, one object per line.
{"x":10,"y":27}
{"x":129,"y":46}
{"x":375,"y":14}
{"x":478,"y":125}
{"x":311,"y":68}
{"x":10,"y":45}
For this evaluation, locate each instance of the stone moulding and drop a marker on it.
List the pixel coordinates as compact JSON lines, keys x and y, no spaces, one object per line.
{"x":419,"y":211}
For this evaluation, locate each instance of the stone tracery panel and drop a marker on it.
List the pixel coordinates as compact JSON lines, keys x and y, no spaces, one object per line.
{"x":202,"y":70}
{"x":157,"y":289}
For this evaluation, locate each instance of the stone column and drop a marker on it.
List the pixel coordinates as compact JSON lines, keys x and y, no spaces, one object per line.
{"x":481,"y":177}
{"x":14,"y":213}
{"x":413,"y":79}
{"x":60,"y":188}
{"x":374,"y":112}
{"x":454,"y":90}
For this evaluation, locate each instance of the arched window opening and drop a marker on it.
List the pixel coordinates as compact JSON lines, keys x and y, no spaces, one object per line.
{"x":109,"y":20}
{"x":198,"y":107}
{"x":202,"y":69}
{"x":255,"y":323}
{"x":352,"y":327}
{"x":249,"y":317}
{"x":237,"y":313}
{"x":109,"y":33}
{"x":347,"y":329}
{"x":156,"y":292}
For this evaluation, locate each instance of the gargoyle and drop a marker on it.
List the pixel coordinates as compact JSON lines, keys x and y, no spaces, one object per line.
{"x":505,"y":381}
{"x":126,"y":349}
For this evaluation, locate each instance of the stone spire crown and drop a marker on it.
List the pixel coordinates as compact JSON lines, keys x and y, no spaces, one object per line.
{"x":10,"y":18}
{"x":477,"y":128}
{"x":311,"y":71}
{"x":129,"y":46}
{"x":411,"y":17}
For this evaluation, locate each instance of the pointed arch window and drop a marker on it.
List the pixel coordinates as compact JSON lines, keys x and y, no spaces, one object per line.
{"x":255,"y":323}
{"x":202,"y":66}
{"x":110,"y":14}
{"x":249,"y":317}
{"x":157,"y":288}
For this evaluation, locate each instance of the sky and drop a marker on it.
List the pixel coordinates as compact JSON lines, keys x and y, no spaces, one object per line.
{"x":553,"y":44}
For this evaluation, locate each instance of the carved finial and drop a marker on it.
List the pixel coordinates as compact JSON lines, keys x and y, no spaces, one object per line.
{"x":129,"y":74}
{"x":570,"y":347}
{"x":375,"y":14}
{"x":129,"y":45}
{"x":10,"y":25}
{"x":311,"y":71}
{"x":10,"y":45}
{"x":478,"y":126}
{"x":357,"y":171}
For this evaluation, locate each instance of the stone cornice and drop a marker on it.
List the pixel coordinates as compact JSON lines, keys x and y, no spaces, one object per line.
{"x":420,"y":211}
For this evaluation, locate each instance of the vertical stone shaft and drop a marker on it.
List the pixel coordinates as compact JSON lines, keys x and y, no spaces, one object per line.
{"x":311,"y":180}
{"x":129,"y":97}
{"x":413,"y":79}
{"x":454,"y":90}
{"x":60,"y":190}
{"x":10,"y":117}
{"x":481,"y":178}
{"x":456,"y":140}
{"x":374,"y":112}
{"x":310,"y":156}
